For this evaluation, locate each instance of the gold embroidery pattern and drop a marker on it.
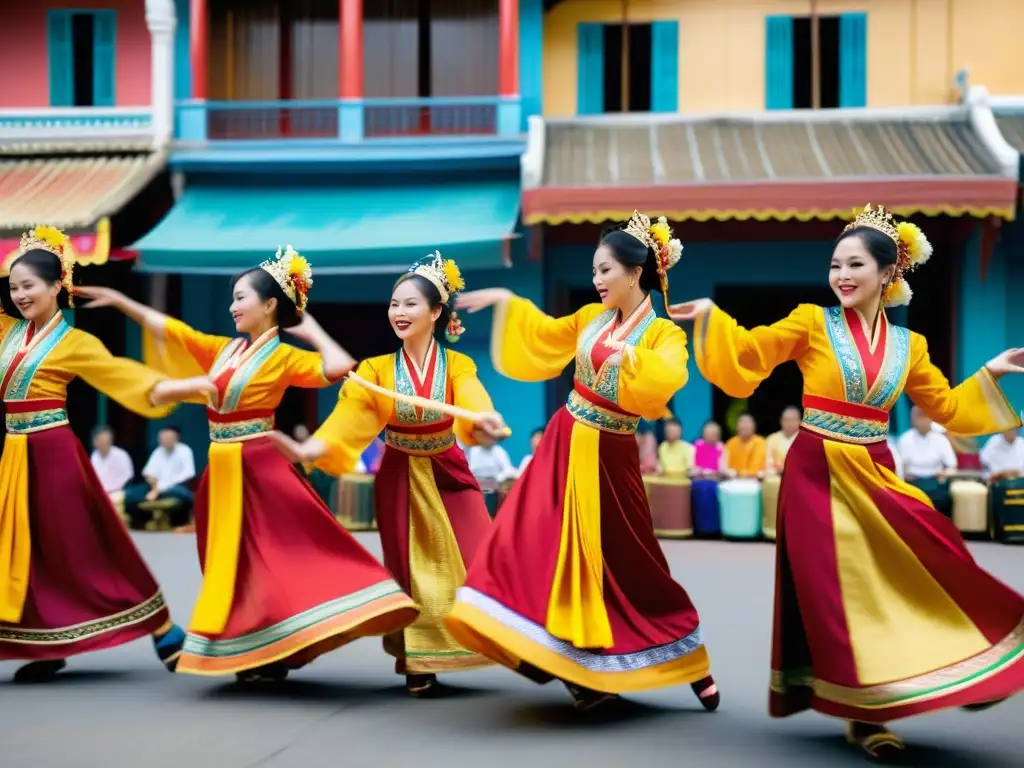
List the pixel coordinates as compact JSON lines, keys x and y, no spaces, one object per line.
{"x":67,"y":635}
{"x":845,"y":429}
{"x":420,"y":445}
{"x":600,"y":418}
{"x":235,"y":431}
{"x":37,"y":421}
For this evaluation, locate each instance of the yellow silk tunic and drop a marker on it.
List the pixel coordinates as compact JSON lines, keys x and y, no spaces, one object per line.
{"x":252,"y":379}
{"x":529,"y":345}
{"x":43,"y":366}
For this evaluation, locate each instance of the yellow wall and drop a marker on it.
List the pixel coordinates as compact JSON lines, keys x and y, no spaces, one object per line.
{"x":721,"y":47}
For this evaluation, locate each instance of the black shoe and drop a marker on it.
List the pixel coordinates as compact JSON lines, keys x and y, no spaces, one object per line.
{"x":707,"y":693}
{"x":586,"y":700}
{"x":981,"y":706}
{"x":269,"y":673}
{"x":168,"y":646}
{"x":423,"y":686}
{"x":878,"y":742}
{"x":39,"y":671}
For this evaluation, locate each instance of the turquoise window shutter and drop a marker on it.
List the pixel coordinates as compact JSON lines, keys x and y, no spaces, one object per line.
{"x":104,"y":61}
{"x":665,"y":66}
{"x":590,"y":69}
{"x":853,"y":57}
{"x":778,"y":64}
{"x":61,"y":60}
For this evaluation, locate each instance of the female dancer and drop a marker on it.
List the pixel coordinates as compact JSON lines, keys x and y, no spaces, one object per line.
{"x":429,"y":508}
{"x":283,"y":583}
{"x":71,"y":579}
{"x":572,"y":583}
{"x":880,"y":610}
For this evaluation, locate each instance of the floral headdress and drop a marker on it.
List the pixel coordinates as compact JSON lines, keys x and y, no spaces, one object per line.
{"x":912,"y":250}
{"x":52,"y":240}
{"x":659,"y":237}
{"x":444,"y":275}
{"x":292,"y":272}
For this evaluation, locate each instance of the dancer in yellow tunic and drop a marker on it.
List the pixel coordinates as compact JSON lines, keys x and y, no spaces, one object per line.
{"x":880,"y":610}
{"x":71,"y":579}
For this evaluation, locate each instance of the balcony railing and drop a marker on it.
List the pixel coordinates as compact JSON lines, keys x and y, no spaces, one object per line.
{"x":75,"y":125}
{"x":347,"y":121}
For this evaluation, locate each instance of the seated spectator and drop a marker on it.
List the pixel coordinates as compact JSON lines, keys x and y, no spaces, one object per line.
{"x":675,"y":455}
{"x":113,"y":465}
{"x":709,"y":456}
{"x":489,"y":462}
{"x":779,"y":443}
{"x":170,"y":467}
{"x":535,"y":437}
{"x":1003,"y":455}
{"x":928,"y":459}
{"x":746,"y":451}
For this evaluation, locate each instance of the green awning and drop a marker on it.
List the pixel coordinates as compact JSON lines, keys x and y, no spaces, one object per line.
{"x":342,"y":230}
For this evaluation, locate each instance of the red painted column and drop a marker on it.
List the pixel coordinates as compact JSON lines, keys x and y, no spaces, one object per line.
{"x":199,"y":35}
{"x":350,"y":49}
{"x":508,"y":47}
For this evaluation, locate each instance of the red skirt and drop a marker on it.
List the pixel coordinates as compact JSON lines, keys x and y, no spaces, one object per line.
{"x":303,"y":585}
{"x":503,"y":610}
{"x":432,"y":520}
{"x":880,"y":610}
{"x":88,"y":587}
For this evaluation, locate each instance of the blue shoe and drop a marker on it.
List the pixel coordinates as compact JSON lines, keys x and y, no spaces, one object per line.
{"x":168,"y":646}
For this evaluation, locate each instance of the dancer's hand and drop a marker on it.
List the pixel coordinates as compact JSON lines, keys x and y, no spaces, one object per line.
{"x":180,"y":390}
{"x":99,"y":296}
{"x":492,"y":426}
{"x":1010,"y":361}
{"x":296,"y":452}
{"x":689,"y":310}
{"x":474,"y":301}
{"x":336,"y":360}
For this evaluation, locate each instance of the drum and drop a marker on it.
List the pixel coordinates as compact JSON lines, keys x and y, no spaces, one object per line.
{"x":740,"y":502}
{"x":936,"y":490}
{"x":669,"y":499}
{"x":355,"y":504}
{"x":707,"y":519}
{"x":1006,"y":502}
{"x":970,"y":506}
{"x":770,"y":505}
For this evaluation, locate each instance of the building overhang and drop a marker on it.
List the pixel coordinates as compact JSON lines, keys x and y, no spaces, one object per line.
{"x":768,"y":165}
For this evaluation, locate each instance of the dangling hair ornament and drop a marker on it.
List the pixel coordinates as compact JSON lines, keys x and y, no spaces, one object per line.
{"x":912,"y":250}
{"x":52,"y":240}
{"x":293,"y":273}
{"x":444,"y":275}
{"x":659,"y":237}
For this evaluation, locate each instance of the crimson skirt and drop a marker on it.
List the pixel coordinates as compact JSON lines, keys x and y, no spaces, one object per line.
{"x":89,"y":588}
{"x":303,"y":585}
{"x":502,"y":611}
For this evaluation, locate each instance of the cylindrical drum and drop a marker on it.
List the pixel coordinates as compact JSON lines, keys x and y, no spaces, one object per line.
{"x":356,"y":510}
{"x":770,"y":505}
{"x":1007,"y":504}
{"x":490,"y":490}
{"x":938,"y":491}
{"x":707,"y":520}
{"x":669,"y":499}
{"x":970,"y":506}
{"x":740,"y":501}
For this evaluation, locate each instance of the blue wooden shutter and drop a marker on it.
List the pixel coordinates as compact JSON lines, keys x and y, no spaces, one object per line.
{"x":665,"y":66}
{"x":778,"y":62}
{"x":104,"y":58}
{"x":853,"y":55}
{"x":590,"y":69}
{"x":61,"y":60}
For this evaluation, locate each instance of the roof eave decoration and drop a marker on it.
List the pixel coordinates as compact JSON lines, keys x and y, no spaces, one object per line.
{"x":88,"y":249}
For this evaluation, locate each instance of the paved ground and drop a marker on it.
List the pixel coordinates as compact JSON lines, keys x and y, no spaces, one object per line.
{"x":118,"y":709}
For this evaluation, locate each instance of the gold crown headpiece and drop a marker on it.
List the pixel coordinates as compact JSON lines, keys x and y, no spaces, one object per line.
{"x":657,"y":236}
{"x":52,"y":240}
{"x":444,"y":275}
{"x":912,"y":249}
{"x":292,"y":272}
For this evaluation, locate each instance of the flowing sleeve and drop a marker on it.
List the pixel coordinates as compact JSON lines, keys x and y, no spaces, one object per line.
{"x":736,"y":360}
{"x":649,"y":377}
{"x":528,"y":345}
{"x":468,"y":393}
{"x":6,"y":323}
{"x":126,"y":381}
{"x":975,"y":407}
{"x":357,"y":418}
{"x":306,"y":369}
{"x":181,"y":352}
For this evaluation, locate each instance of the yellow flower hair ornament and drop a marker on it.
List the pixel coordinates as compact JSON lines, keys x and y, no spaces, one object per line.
{"x":293,"y":273}
{"x":912,"y":249}
{"x":52,"y":240}
{"x":443,"y":274}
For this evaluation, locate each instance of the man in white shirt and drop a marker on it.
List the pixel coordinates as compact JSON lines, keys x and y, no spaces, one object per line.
{"x":170,"y":467}
{"x":113,"y":465}
{"x":1003,"y":455}
{"x":928,"y":459}
{"x":490,"y":463}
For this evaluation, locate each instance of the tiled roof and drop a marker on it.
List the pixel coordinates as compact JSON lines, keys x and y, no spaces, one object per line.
{"x":1012,"y":128}
{"x":71,"y":192}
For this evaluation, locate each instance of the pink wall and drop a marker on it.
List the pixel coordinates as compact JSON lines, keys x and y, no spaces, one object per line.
{"x":23,"y":54}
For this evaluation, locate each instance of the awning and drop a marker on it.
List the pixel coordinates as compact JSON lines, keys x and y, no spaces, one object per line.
{"x":772,"y":165}
{"x":342,"y":230}
{"x":71,"y":192}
